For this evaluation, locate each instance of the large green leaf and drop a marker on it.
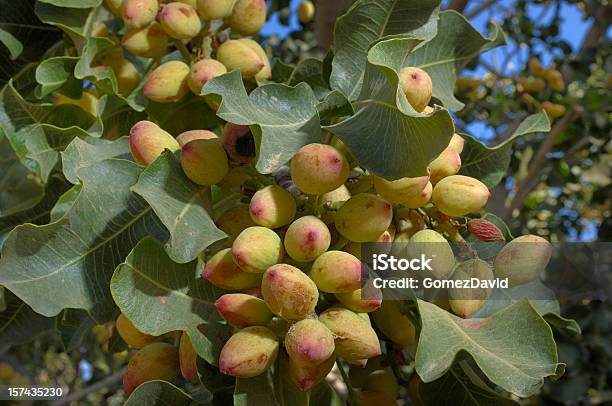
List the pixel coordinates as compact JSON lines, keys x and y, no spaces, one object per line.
{"x":444,"y":57}
{"x":85,"y":152}
{"x":38,"y":214}
{"x":514,"y":347}
{"x":459,"y":388}
{"x":542,"y":299}
{"x":69,"y":263}
{"x":254,"y":391}
{"x":491,"y":164}
{"x":160,"y":296}
{"x":282,"y":118}
{"x":159,"y":393}
{"x":368,"y":21}
{"x":19,"y":324}
{"x":386,"y":135}
{"x":25,"y":39}
{"x":181,"y":205}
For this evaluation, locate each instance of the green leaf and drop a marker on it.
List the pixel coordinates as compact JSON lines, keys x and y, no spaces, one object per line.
{"x":19,"y":324}
{"x":366,"y":22}
{"x":324,"y":395}
{"x":20,"y":189}
{"x":160,"y":296}
{"x":69,"y":263}
{"x":255,"y":391}
{"x":84,"y":152}
{"x":20,"y":118}
{"x":54,"y":72}
{"x":458,"y":388}
{"x":490,"y":165}
{"x":281,"y":71}
{"x":287,"y":394}
{"x":334,"y":105}
{"x":190,"y":113}
{"x":65,"y":202}
{"x":282,"y":118}
{"x":514,"y":347}
{"x":410,"y":140}
{"x":38,"y":214}
{"x":73,"y":326}
{"x":115,"y":117}
{"x":26,"y":39}
{"x":181,"y":205}
{"x":542,"y":298}
{"x":159,"y":393}
{"x":73,"y":3}
{"x":14,"y":46}
{"x":44,"y":144}
{"x":310,"y":71}
{"x":444,"y":57}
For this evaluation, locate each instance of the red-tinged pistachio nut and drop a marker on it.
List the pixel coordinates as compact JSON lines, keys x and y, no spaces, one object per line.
{"x":523,"y":259}
{"x":188,"y":359}
{"x":318,"y":169}
{"x":355,"y":339}
{"x":458,"y":195}
{"x":180,"y":21}
{"x":204,"y":161}
{"x":272,"y":207}
{"x":222,"y":271}
{"x":168,"y":82}
{"x":156,"y":361}
{"x":249,"y":352}
{"x":256,"y":249}
{"x":148,"y":141}
{"x":242,"y":310}
{"x":248,"y":17}
{"x":306,"y":239}
{"x":139,"y":13}
{"x":336,"y":272}
{"x":289,"y":292}
{"x":364,"y":217}
{"x":202,"y":71}
{"x":417,"y":86}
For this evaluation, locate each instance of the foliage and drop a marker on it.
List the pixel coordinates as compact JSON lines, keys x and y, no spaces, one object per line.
{"x":88,"y":233}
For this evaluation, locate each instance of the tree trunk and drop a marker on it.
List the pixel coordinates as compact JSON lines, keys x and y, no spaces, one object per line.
{"x":327,"y":12}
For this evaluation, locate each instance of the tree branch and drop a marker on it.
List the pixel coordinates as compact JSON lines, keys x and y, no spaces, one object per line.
{"x":483,"y":6}
{"x":533,"y":175}
{"x":458,"y":5}
{"x":110,"y":380}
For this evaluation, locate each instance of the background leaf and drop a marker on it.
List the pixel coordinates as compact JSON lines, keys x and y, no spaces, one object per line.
{"x":19,"y":324}
{"x":490,"y":165}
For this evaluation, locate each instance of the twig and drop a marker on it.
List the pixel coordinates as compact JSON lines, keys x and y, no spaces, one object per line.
{"x":183,"y":50}
{"x":458,"y":5}
{"x":485,"y":5}
{"x":108,"y":381}
{"x":347,"y":382}
{"x":533,"y":175}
